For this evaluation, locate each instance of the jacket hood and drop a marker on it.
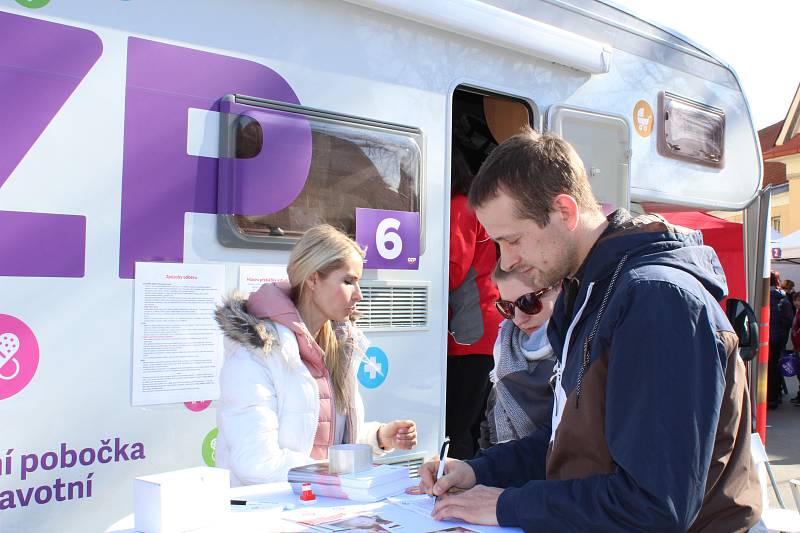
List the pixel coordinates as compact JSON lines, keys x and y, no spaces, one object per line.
{"x":651,"y":240}
{"x":272,"y":301}
{"x":242,"y":327}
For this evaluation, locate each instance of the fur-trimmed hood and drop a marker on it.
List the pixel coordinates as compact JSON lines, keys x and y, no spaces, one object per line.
{"x":242,"y":327}
{"x":260,"y":334}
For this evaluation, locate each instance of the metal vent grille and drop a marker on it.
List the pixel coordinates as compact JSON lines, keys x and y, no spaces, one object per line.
{"x":413,"y":462}
{"x":393,"y":307}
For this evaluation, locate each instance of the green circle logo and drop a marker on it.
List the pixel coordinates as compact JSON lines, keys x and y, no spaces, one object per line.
{"x":210,"y":447}
{"x":33,"y":4}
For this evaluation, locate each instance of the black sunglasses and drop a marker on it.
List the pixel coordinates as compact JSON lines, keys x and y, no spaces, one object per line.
{"x":530,"y":304}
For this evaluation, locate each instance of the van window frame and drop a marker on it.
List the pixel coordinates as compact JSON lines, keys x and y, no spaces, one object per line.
{"x":228,"y":233}
{"x":534,"y":113}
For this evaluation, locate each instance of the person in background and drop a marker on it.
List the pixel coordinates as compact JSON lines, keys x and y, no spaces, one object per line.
{"x":473,"y":319}
{"x":795,"y":336}
{"x":789,"y":308}
{"x":788,"y":288}
{"x":521,"y":399}
{"x":780,"y":322}
{"x":287,"y":387}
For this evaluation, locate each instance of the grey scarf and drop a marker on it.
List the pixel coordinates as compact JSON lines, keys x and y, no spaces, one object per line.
{"x":512,"y":420}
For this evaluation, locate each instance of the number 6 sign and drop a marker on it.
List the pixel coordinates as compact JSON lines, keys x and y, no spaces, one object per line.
{"x":390,"y":238}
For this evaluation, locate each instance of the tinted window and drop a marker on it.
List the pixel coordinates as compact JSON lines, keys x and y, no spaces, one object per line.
{"x":352,"y":165}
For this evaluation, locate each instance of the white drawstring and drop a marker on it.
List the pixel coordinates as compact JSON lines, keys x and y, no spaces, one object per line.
{"x":560,"y":396}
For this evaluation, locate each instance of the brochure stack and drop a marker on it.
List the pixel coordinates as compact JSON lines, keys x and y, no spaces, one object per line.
{"x":369,"y":485}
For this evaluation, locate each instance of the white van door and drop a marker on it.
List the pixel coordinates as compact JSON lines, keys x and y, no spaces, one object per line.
{"x":603,"y":142}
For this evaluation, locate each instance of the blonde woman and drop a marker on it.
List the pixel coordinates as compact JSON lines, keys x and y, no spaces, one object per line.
{"x":288,"y":388}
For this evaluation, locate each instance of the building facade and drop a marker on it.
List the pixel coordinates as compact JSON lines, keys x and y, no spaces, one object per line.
{"x":780,"y":148}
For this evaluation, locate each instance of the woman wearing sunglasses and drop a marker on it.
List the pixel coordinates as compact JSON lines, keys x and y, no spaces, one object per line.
{"x":521,"y":398}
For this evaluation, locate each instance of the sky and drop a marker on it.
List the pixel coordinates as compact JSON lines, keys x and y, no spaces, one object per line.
{"x":755,"y":38}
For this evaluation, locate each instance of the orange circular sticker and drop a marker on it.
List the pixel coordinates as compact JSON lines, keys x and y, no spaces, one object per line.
{"x":643,"y":118}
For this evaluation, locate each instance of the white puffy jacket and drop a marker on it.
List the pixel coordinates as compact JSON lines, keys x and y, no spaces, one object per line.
{"x":268,"y":410}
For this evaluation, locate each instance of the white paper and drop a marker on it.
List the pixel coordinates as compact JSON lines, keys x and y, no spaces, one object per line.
{"x":251,"y":277}
{"x":327,"y":510}
{"x":177,"y":345}
{"x":421,"y":504}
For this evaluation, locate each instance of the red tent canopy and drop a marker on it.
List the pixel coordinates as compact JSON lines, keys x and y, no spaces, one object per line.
{"x":726,"y":238}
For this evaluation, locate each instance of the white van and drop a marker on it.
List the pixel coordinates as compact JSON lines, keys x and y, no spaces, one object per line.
{"x":210,"y":134}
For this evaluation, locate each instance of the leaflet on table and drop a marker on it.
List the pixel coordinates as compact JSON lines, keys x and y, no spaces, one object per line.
{"x":421,"y":504}
{"x":358,"y":494}
{"x":363,"y":523}
{"x":312,"y":516}
{"x":455,"y":529}
{"x":338,"y":520}
{"x":376,"y":517}
{"x":177,"y":346}
{"x":377,"y":475}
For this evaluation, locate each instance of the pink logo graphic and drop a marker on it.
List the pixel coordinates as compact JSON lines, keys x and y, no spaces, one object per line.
{"x":197,"y":406}
{"x":19,"y":355}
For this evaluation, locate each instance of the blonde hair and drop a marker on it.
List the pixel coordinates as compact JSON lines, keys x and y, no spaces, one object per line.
{"x":498,"y":275}
{"x":501,"y":275}
{"x":322,"y":250}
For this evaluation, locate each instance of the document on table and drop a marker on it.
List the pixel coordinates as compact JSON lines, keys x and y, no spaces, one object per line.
{"x":177,"y":345}
{"x":421,"y":504}
{"x":331,"y":515}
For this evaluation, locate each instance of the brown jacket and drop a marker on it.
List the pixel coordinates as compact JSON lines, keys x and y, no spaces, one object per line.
{"x":652,"y":411}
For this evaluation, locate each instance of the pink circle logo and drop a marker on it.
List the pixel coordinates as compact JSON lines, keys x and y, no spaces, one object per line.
{"x":19,"y":355}
{"x":197,"y":406}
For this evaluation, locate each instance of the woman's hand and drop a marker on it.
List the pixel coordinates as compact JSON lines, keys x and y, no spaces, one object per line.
{"x":400,"y":434}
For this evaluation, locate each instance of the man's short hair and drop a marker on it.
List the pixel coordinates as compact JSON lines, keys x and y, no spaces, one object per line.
{"x":533,"y":168}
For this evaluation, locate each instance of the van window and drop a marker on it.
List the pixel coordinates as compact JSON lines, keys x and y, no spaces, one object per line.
{"x":354,"y":163}
{"x":691,"y":130}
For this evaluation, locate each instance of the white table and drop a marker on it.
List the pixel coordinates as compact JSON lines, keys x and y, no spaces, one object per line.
{"x":270,"y":520}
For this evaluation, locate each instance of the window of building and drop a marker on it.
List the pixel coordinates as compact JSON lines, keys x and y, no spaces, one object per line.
{"x":776,"y":223}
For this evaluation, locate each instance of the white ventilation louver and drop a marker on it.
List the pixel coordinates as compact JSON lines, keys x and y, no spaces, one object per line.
{"x":393,"y":306}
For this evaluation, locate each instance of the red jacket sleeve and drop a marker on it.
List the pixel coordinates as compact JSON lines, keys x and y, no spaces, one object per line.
{"x":463,"y":234}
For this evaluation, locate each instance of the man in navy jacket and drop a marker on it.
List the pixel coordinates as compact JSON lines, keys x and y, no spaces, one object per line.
{"x":651,"y":422}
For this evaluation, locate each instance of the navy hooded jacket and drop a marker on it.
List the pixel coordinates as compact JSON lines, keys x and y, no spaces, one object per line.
{"x":654,"y":434}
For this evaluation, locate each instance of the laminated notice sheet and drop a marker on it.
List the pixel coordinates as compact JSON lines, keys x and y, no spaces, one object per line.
{"x":251,"y":277}
{"x":177,"y":346}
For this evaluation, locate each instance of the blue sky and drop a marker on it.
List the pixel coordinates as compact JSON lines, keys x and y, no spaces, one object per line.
{"x":754,"y":37}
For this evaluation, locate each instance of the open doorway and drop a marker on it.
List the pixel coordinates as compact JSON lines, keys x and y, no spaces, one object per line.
{"x":480,"y":121}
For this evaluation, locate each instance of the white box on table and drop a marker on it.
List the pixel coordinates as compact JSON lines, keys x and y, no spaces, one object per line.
{"x":181,"y":500}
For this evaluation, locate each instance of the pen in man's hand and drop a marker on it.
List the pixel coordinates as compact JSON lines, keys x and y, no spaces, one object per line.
{"x":442,"y":457}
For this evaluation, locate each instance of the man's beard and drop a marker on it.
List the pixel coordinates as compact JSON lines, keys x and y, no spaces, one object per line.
{"x":566,"y":264}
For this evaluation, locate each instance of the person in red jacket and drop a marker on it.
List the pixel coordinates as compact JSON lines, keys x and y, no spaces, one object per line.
{"x":473,"y":320}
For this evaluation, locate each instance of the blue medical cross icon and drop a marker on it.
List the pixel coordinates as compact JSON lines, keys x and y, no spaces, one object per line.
{"x":373,"y":370}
